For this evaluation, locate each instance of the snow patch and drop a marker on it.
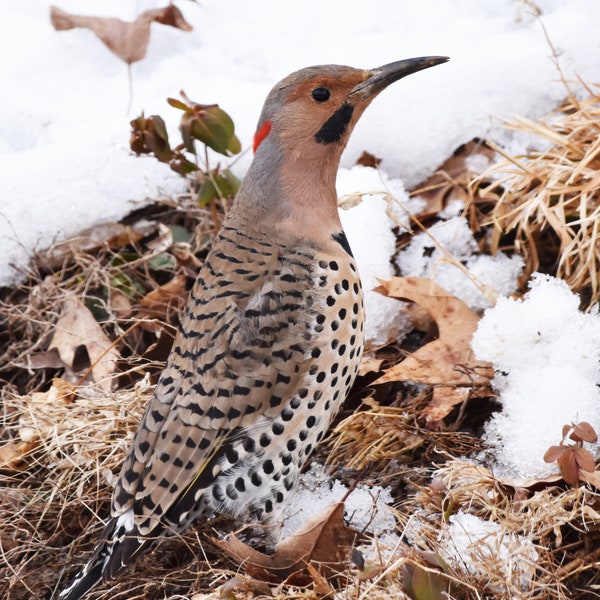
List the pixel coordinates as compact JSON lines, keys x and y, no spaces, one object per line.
{"x":366,"y":507}
{"x":546,"y":354}
{"x":433,"y":254}
{"x":472,"y":544}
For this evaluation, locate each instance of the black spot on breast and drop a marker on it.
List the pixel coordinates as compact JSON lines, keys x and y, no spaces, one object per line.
{"x":334,"y":128}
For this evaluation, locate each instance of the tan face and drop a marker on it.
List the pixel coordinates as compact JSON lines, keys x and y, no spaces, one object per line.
{"x":322,"y":110}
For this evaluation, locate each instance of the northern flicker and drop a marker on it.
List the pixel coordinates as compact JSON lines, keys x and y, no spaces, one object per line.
{"x":270,"y":339}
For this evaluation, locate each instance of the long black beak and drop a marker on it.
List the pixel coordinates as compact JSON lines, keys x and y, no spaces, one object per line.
{"x":380,"y":78}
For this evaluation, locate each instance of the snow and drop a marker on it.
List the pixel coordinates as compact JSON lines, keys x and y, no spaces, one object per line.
{"x":371,"y":205}
{"x":366,"y":508}
{"x":545,"y":352}
{"x":441,"y":251}
{"x":483,"y":548}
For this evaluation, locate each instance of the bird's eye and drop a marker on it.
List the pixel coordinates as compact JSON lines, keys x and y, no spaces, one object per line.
{"x":321,"y":94}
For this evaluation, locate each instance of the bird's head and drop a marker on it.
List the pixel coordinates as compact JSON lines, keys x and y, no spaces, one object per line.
{"x":305,"y":124}
{"x":321,"y":104}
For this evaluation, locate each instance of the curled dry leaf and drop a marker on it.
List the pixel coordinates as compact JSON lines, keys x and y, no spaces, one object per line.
{"x":447,"y":363}
{"x":16,"y":454}
{"x":168,"y":297}
{"x":451,"y":181}
{"x":13,"y":455}
{"x":128,"y":40}
{"x":324,"y":540}
{"x":107,"y":235}
{"x":583,"y":432}
{"x":77,"y":331}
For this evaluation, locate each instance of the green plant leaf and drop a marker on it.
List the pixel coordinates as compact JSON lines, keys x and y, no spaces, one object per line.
{"x":179,"y":234}
{"x":179,"y":104}
{"x":163,"y":262}
{"x":210,"y":125}
{"x":227,"y":185}
{"x":235,"y":146}
{"x":180,"y":164}
{"x":149,"y":136}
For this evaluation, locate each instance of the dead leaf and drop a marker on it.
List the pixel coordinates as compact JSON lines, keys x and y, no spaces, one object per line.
{"x":366,"y":159}
{"x":451,"y":181}
{"x":447,"y":363}
{"x":168,"y":297}
{"x":583,"y":432}
{"x":324,"y":540}
{"x":13,"y":455}
{"x":321,"y":586}
{"x":369,"y":364}
{"x":104,"y":235}
{"x":128,"y":40}
{"x":77,"y":332}
{"x":247,"y":585}
{"x":593,"y":478}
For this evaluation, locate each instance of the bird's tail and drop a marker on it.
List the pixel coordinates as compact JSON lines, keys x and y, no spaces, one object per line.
{"x":119,"y":546}
{"x":85,"y":580}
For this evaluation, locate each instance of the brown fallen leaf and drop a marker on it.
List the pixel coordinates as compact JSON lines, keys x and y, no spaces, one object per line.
{"x":128,"y":40}
{"x":77,"y":332}
{"x":168,"y":297}
{"x":324,"y":540}
{"x":13,"y":455}
{"x":16,"y":454}
{"x":447,"y":363}
{"x":451,"y":181}
{"x":104,"y":235}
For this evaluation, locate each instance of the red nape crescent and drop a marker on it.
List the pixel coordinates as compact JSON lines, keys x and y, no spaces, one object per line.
{"x":261,"y":134}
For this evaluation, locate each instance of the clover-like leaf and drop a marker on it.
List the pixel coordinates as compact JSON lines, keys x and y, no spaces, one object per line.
{"x":554,"y":453}
{"x":223,"y":184}
{"x":207,"y":123}
{"x":583,"y":432}
{"x":584,"y":459}
{"x":568,"y":465}
{"x":149,"y":136}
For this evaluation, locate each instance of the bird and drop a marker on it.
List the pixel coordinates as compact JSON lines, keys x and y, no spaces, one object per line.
{"x":269,"y":342}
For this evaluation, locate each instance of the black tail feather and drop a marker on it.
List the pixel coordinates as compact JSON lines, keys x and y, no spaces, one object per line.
{"x":117,"y":549}
{"x":86,"y":579}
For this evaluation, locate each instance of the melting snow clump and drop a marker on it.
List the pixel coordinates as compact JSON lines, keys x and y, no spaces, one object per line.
{"x":428,"y":256}
{"x":371,"y":204}
{"x":481,"y":547}
{"x":366,"y":507}
{"x":546,"y":354}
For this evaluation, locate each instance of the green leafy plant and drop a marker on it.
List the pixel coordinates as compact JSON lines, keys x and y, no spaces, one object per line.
{"x":205,"y":123}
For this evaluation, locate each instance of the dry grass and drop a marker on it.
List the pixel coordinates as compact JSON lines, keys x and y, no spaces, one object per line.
{"x":549,"y":200}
